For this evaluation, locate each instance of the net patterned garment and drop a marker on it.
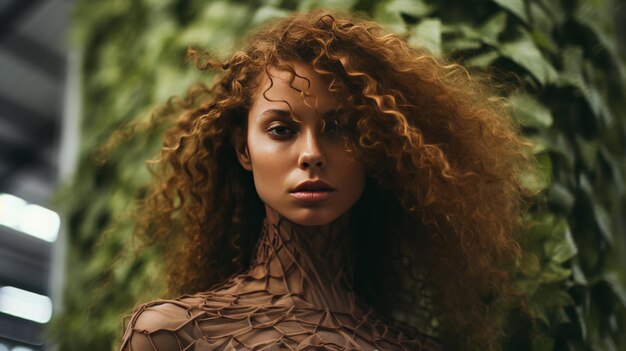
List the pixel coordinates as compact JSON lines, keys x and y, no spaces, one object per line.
{"x":296,"y":295}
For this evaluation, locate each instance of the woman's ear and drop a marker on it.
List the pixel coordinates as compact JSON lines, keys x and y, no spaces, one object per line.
{"x":244,"y":158}
{"x":241,"y":149}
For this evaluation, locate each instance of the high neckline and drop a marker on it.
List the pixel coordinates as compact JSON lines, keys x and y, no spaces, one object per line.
{"x":297,"y":294}
{"x":313,"y":262}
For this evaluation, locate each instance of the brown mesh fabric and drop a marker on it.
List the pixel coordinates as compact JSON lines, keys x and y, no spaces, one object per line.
{"x":296,"y":295}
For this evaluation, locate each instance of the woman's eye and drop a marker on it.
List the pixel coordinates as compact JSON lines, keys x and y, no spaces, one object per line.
{"x":331,"y":128}
{"x":279,"y":131}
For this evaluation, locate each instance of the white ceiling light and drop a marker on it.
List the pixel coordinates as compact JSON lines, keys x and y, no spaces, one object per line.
{"x":21,"y":348}
{"x":25,"y":304}
{"x":28,"y":218}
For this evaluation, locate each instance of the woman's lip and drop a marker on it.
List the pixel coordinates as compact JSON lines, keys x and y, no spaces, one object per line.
{"x":313,"y":196}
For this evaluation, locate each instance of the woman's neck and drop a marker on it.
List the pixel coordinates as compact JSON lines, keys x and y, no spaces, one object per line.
{"x":314,"y":262}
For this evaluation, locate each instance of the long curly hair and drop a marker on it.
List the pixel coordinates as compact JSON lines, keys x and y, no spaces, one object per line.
{"x":440,"y":217}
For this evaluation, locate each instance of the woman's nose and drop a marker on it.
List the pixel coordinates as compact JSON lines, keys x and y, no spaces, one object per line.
{"x":311,"y":153}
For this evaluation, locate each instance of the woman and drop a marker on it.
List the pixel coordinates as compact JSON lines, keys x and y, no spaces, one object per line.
{"x":334,"y":188}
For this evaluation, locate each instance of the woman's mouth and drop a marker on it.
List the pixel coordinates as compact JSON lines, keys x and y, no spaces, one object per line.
{"x":313,"y":195}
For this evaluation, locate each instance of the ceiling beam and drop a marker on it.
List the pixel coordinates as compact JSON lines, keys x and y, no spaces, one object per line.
{"x":13,"y":14}
{"x":39,"y":132}
{"x":27,"y":50}
{"x":18,"y":155}
{"x":21,"y":156}
{"x":24,"y":48}
{"x":24,"y":117}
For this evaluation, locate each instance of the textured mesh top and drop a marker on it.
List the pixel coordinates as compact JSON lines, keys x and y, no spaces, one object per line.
{"x":296,"y":295}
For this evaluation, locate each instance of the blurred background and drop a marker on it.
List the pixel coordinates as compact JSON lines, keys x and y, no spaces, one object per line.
{"x":37,"y":151}
{"x":74,"y":71}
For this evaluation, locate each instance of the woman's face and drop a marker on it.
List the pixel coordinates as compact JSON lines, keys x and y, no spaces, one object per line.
{"x":283,"y":153}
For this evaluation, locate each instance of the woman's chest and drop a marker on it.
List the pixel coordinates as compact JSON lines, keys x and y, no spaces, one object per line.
{"x":283,"y":324}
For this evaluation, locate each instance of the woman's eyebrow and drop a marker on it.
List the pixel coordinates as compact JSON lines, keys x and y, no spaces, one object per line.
{"x":287,"y":114}
{"x":280,"y":113}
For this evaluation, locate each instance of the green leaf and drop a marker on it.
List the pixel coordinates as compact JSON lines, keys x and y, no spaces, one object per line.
{"x":554,"y":272}
{"x":389,"y":13}
{"x":579,"y":275}
{"x":415,"y":8}
{"x":529,"y":111}
{"x":547,"y":301}
{"x":581,"y":322}
{"x":561,"y":246}
{"x":460,"y":44}
{"x":524,"y":52}
{"x":588,"y":151}
{"x":528,"y":285}
{"x":514,"y":6}
{"x":617,"y":285}
{"x":391,"y":20}
{"x":561,"y":196}
{"x":559,"y":144}
{"x":273,"y":3}
{"x":552,"y":9}
{"x":308,"y":5}
{"x":488,"y":32}
{"x":218,"y":23}
{"x":542,"y":21}
{"x":603,"y":220}
{"x":585,"y":185}
{"x":491,"y":29}
{"x":553,"y":296}
{"x":265,"y":13}
{"x":544,"y":42}
{"x":572,"y":75}
{"x":615,"y":163}
{"x":540,"y":181}
{"x":539,"y":146}
{"x":530,"y":266}
{"x":483,"y":60}
{"x":427,"y":34}
{"x":592,"y":18}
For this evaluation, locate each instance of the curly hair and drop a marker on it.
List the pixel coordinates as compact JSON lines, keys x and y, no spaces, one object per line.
{"x":443,"y":196}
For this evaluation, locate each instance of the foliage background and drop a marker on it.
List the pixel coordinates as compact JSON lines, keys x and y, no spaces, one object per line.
{"x":562,"y":54}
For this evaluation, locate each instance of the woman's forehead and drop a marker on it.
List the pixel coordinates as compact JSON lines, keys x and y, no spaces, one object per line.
{"x":300,"y":78}
{"x":293,"y":85}
{"x":297,"y":75}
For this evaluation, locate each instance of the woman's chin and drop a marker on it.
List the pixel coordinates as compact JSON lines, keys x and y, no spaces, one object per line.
{"x":312,"y":217}
{"x":305,"y":215}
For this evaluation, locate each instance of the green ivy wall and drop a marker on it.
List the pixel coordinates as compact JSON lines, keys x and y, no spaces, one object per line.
{"x":572,"y":101}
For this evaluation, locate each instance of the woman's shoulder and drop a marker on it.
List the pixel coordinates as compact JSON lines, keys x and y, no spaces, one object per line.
{"x":156,"y":325}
